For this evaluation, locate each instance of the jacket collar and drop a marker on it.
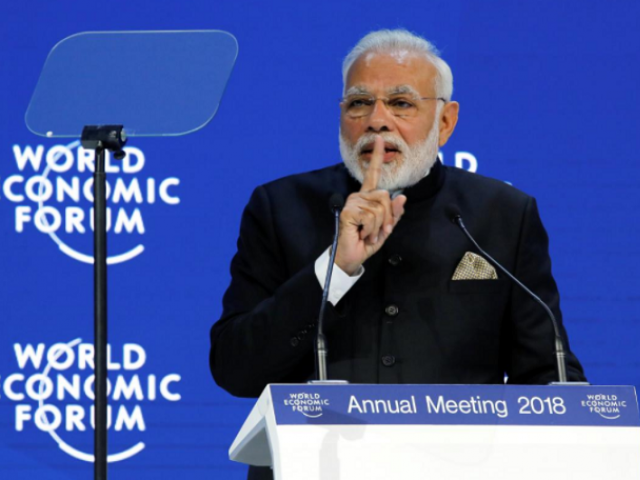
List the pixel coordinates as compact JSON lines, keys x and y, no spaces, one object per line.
{"x":428,"y":186}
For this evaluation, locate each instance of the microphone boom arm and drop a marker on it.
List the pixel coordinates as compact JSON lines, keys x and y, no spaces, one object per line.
{"x":321,"y":343}
{"x":560,"y":353}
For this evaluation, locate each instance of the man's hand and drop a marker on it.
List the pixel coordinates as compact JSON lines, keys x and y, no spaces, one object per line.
{"x":368,"y":217}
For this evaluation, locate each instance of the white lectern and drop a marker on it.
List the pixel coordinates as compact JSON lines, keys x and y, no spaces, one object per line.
{"x":478,"y":432}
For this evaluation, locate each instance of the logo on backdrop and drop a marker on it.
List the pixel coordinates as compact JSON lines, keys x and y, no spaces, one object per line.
{"x":53,"y":391}
{"x":53,"y":194}
{"x":308,"y":404}
{"x":465,"y":160}
{"x":607,"y":406}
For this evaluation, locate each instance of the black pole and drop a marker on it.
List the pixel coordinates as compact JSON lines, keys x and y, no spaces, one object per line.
{"x":100,"y":314}
{"x":101,"y":138}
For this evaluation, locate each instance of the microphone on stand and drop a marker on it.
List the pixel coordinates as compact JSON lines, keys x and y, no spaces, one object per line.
{"x":336,"y":203}
{"x":453,"y":213}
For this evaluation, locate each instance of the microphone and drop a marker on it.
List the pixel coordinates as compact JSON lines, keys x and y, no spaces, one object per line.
{"x":336,"y":204}
{"x":453,"y":213}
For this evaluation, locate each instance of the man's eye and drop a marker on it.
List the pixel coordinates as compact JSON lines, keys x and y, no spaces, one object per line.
{"x":401,"y":103}
{"x":359,"y":103}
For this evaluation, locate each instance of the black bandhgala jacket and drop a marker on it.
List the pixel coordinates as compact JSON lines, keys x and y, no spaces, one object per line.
{"x":441,"y":331}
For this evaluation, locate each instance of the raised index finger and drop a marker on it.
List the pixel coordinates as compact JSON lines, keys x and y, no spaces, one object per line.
{"x":372,"y":175}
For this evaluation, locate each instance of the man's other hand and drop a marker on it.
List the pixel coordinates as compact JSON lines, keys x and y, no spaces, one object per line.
{"x":368,"y":217}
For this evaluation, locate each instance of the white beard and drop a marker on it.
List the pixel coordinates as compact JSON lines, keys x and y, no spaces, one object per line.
{"x":416,"y":162}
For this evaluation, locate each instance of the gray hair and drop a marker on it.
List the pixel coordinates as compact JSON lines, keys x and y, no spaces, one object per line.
{"x":394,"y":41}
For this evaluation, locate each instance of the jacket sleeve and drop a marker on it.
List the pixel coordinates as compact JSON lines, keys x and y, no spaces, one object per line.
{"x":530,"y":349}
{"x":266,"y":332}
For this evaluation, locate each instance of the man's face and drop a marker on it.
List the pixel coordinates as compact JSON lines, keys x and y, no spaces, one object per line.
{"x":411,"y":143}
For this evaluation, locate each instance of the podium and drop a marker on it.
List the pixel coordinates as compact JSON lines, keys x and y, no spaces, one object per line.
{"x":477,"y":432}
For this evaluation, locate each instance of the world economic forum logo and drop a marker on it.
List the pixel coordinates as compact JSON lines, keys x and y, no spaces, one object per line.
{"x":308,"y":404}
{"x":53,"y":392}
{"x":608,"y":407}
{"x":52,"y":191}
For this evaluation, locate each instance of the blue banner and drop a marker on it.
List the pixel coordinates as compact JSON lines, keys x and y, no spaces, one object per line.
{"x":455,"y":405}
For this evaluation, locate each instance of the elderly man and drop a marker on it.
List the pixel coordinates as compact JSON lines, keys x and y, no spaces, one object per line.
{"x":400,"y":309}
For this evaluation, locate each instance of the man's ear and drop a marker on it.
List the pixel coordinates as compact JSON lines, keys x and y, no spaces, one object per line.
{"x":448,"y":121}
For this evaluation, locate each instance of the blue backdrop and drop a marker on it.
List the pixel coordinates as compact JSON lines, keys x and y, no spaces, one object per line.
{"x":548,"y":102}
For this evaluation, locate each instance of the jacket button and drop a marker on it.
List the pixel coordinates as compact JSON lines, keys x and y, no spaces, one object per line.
{"x":294,"y":341}
{"x":388,"y":360}
{"x":395,"y":259}
{"x":392,"y":310}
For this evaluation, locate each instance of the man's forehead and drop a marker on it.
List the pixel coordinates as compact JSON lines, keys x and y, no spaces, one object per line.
{"x":385,"y":72}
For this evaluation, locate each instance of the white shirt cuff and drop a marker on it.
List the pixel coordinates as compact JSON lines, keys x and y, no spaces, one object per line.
{"x":341,"y":283}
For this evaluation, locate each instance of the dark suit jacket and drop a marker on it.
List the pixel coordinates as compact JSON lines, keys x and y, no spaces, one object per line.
{"x":444,"y":331}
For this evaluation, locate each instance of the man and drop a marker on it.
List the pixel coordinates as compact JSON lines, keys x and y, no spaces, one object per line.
{"x":397,"y":314}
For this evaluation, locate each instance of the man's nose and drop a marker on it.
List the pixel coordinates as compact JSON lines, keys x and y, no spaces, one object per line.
{"x":381,"y":119}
